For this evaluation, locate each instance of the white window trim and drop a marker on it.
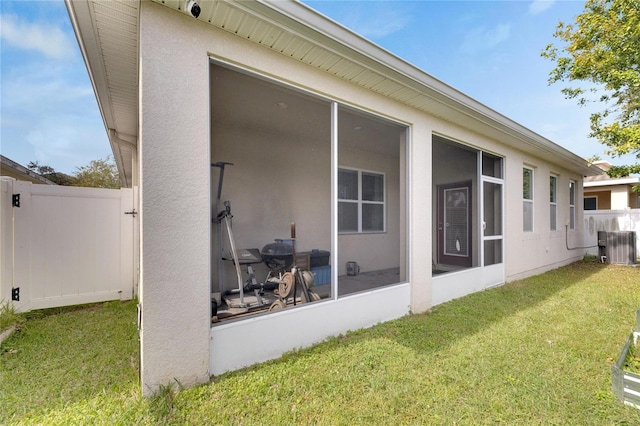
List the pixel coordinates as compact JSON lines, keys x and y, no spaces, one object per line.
{"x":529,"y":201}
{"x":553,"y":225}
{"x":572,"y":207}
{"x":361,"y":202}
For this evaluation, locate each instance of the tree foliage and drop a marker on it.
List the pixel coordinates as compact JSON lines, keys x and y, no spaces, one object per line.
{"x":48,"y":172}
{"x":101,"y":173}
{"x":602,"y":51}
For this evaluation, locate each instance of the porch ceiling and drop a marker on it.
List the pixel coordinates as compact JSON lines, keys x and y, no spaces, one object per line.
{"x":108,"y":36}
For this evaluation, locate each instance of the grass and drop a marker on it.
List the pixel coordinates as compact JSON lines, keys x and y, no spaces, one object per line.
{"x":536,"y":351}
{"x":9,"y":317}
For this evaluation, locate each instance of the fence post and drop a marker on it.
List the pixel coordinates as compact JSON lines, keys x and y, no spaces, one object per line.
{"x":22,"y":245}
{"x":6,"y":239}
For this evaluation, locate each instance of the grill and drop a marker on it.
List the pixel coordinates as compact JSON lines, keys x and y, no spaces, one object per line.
{"x":278,"y":256}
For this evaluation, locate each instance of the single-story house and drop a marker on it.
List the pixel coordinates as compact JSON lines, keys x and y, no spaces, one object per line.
{"x":602,"y":192}
{"x":337,"y":146}
{"x":10,"y":168}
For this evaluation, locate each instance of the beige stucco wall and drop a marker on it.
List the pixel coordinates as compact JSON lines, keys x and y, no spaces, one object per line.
{"x":529,"y":253}
{"x":619,"y":197}
{"x":176,"y":201}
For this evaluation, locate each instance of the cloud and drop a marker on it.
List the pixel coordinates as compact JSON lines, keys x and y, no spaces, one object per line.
{"x":66,"y":141}
{"x":46,"y":39}
{"x":50,"y":116}
{"x":47,"y":90}
{"x":482,"y":39}
{"x":539,"y":6}
{"x":376,"y":20}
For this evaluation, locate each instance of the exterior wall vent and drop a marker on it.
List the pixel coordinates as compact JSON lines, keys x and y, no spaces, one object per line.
{"x":621,"y":247}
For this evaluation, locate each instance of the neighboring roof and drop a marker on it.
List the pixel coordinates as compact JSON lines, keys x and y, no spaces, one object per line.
{"x":17,"y":171}
{"x":108,"y":36}
{"x":592,"y":181}
{"x":605,"y":180}
{"x":602,"y":165}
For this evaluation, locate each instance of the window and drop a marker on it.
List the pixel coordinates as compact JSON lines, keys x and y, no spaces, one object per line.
{"x":572,"y":205}
{"x":553,"y":193}
{"x":361,"y":201}
{"x":591,"y":203}
{"x":527,"y":199}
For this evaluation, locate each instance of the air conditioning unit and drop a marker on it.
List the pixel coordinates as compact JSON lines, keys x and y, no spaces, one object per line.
{"x":621,"y":247}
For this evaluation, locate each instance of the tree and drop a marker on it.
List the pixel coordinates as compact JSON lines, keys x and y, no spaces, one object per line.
{"x":49,"y":173}
{"x":603,"y":50}
{"x":101,"y":173}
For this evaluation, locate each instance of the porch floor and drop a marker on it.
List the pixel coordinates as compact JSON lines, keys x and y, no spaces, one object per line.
{"x":346,"y":285}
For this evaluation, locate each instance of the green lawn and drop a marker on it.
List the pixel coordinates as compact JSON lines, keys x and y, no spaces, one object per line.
{"x":536,"y":351}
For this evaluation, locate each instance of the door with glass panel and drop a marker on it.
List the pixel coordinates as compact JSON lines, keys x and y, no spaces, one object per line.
{"x":454,"y":224}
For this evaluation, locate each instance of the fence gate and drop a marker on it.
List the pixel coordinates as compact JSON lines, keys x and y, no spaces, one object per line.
{"x":66,"y":245}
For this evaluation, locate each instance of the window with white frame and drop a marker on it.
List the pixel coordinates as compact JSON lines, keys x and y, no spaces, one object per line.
{"x":527,"y":199}
{"x":572,"y":205}
{"x":553,"y":207}
{"x":361,"y":201}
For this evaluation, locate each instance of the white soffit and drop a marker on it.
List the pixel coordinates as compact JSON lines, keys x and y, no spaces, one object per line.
{"x":107,"y":33}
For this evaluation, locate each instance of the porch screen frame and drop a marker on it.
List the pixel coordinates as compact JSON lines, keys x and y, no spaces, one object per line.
{"x":334,"y":136}
{"x":494,"y":235}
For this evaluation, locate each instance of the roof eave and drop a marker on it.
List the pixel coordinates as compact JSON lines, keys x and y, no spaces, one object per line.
{"x":87,"y":38}
{"x":23,"y":172}
{"x":301,"y":21}
{"x":396,"y":67}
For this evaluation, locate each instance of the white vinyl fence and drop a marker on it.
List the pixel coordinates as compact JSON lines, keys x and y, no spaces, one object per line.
{"x":610,"y":220}
{"x":64,"y":246}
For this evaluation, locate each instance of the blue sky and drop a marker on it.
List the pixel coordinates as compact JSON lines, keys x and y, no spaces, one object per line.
{"x":48,"y":111}
{"x":489,"y":50}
